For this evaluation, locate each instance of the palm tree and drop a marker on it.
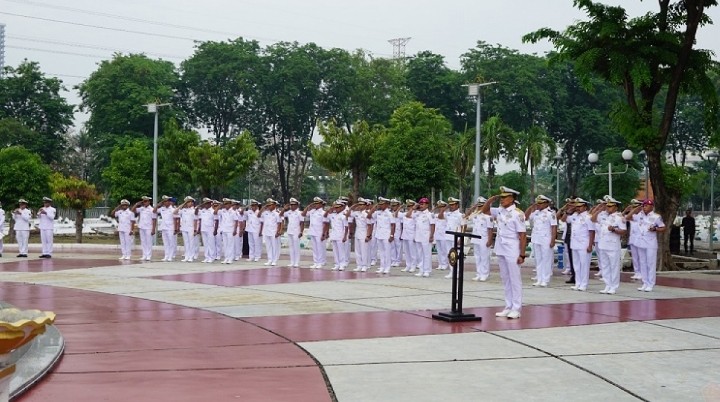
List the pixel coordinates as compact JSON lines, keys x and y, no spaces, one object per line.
{"x":534,"y":145}
{"x":462,"y":152}
{"x":497,"y":139}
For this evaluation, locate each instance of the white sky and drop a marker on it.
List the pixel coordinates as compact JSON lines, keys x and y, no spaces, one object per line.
{"x":449,"y":28}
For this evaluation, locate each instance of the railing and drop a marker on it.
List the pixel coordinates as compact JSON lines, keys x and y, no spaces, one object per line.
{"x":90,"y":213}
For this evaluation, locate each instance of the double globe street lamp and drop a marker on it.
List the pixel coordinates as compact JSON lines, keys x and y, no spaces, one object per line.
{"x":593,"y":158}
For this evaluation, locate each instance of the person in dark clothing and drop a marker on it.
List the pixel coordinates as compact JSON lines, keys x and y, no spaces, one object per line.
{"x":563,"y":212}
{"x":688,"y":225}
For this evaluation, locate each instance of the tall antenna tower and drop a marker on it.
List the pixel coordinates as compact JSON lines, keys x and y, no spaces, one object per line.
{"x":399,"y":47}
{"x":2,"y":48}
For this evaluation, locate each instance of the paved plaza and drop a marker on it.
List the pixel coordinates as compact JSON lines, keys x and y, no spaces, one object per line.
{"x":174,"y":331}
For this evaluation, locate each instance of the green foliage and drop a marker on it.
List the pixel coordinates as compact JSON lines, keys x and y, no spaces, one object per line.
{"x":215,"y":167}
{"x":24,"y":175}
{"x":413,"y":156}
{"x":33,"y":99}
{"x":516,"y":181}
{"x":174,"y":164}
{"x":74,"y":193}
{"x":13,"y":132}
{"x":497,"y":139}
{"x":130,"y":172}
{"x":677,"y":179}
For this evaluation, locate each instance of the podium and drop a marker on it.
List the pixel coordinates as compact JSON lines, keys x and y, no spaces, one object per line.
{"x":457,"y":260}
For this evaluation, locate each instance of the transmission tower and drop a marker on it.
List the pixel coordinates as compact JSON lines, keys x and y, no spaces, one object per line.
{"x":399,"y":47}
{"x":2,"y":48}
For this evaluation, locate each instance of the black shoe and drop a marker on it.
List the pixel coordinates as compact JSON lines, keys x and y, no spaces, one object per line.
{"x":572,"y":280}
{"x":22,"y":255}
{"x":48,"y":256}
{"x":42,"y":256}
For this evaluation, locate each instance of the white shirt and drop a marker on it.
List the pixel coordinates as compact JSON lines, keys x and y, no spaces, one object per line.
{"x":408,"y":227}
{"x":187,"y":219}
{"x":440,"y":227}
{"x":423,"y":222}
{"x":227,"y":219}
{"x":2,"y":221}
{"x":510,"y":222}
{"x":145,"y":216}
{"x":252,"y":224}
{"x":125,"y":218}
{"x":47,"y":220}
{"x":207,"y":220}
{"x":647,"y":238}
{"x":22,"y":219}
{"x":316,"y":217}
{"x":542,"y":221}
{"x":295,"y":220}
{"x":338,"y":225}
{"x":609,"y":240}
{"x":383,"y":221}
{"x":361,"y":221}
{"x":581,"y":228}
{"x":167,"y":218}
{"x":270,"y":220}
{"x":481,"y":223}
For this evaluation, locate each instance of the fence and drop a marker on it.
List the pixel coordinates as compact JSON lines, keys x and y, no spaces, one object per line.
{"x":91,"y":213}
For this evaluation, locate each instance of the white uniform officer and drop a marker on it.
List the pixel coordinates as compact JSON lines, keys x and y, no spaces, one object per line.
{"x":382,"y":228}
{"x":610,"y":228}
{"x":207,"y":225}
{"x":126,"y":227}
{"x":509,"y":247}
{"x":649,"y":223}
{"x":271,"y":230}
{"x":2,"y":228}
{"x":424,"y":235}
{"x":336,"y":231}
{"x":165,"y":210}
{"x":359,"y":221}
{"x":582,"y":240}
{"x":146,"y":225}
{"x":47,"y":214}
{"x":185,"y":214}
{"x":482,"y":226}
{"x":396,"y":246}
{"x":22,"y":216}
{"x":295,"y":226}
{"x":442,"y":243}
{"x":544,"y":232}
{"x":227,"y":227}
{"x":315,"y":215}
{"x":241,"y":223}
{"x":632,"y":238}
{"x":407,"y":237}
{"x":454,"y":221}
{"x":252,"y":227}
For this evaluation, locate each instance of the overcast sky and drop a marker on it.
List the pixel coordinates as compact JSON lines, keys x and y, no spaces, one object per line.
{"x":70,"y":37}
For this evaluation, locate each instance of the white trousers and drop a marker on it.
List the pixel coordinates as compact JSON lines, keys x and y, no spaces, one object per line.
{"x":443,"y":247}
{"x":271,"y":248}
{"x":581,"y":263}
{"x":208,"y":239}
{"x":239,"y":240}
{"x":611,"y":271}
{"x":126,"y":243}
{"x":397,"y":249}
{"x":373,"y":250}
{"x":384,"y":247}
{"x":338,"y":247}
{"x":294,"y":249}
{"x":410,"y":251}
{"x":196,"y":247}
{"x":602,"y":264}
{"x":189,"y":244}
{"x":635,"y":255}
{"x":648,"y":265}
{"x":169,"y":243}
{"x":512,"y":281}
{"x":254,"y":245}
{"x":22,"y":237}
{"x":146,"y":241}
{"x":318,"y":249}
{"x":482,"y":259}
{"x":2,"y":246}
{"x":46,"y":238}
{"x":543,"y":261}
{"x":228,"y":246}
{"x":423,"y":251}
{"x":219,"y":246}
{"x":361,"y":252}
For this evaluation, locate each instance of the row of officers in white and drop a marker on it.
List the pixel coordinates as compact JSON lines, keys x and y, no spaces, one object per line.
{"x":397,"y":233}
{"x":21,"y":217}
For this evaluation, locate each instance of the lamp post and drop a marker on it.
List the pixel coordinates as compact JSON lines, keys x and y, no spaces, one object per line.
{"x":642,"y":155}
{"x":558,"y":161}
{"x":474,"y":90}
{"x":593,"y":159}
{"x":713,"y":157}
{"x":154,"y":108}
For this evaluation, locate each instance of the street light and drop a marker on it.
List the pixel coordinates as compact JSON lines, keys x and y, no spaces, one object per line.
{"x":593,"y":159}
{"x":154,"y":108}
{"x":474,"y":90}
{"x":713,"y":157}
{"x":642,"y":155}
{"x":558,"y":162}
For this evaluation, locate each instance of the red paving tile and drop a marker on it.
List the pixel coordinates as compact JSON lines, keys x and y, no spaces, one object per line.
{"x":265,"y":276}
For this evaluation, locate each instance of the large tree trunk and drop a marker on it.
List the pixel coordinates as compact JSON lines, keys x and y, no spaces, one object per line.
{"x":79,"y":218}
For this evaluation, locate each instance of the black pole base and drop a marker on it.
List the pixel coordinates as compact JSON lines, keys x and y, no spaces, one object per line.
{"x":456,"y":317}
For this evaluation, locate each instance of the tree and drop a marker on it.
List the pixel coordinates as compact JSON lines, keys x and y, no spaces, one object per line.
{"x":24,"y":176}
{"x":13,"y":132}
{"x":34,"y":100}
{"x":342,"y":151}
{"x":534,"y":144}
{"x":76,"y":194}
{"x":625,"y":186}
{"x":174,"y":164}
{"x":129,"y":174}
{"x":116,"y":95}
{"x":413,"y":156}
{"x":497,"y":139}
{"x":214,"y":167}
{"x":462,"y":154}
{"x":219,"y":86}
{"x":645,"y":56}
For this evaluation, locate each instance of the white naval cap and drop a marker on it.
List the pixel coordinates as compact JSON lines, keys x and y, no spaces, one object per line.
{"x":410,"y":202}
{"x":541,"y":199}
{"x":441,"y":203}
{"x":579,"y":201}
{"x":47,"y":199}
{"x":165,"y":197}
{"x":481,"y":200}
{"x":318,"y":200}
{"x":188,"y":198}
{"x":453,"y":200}
{"x":383,"y":200}
{"x":294,"y":201}
{"x":145,"y":198}
{"x":611,"y":202}
{"x":124,"y":202}
{"x":505,"y":191}
{"x":205,"y":200}
{"x":22,"y":201}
